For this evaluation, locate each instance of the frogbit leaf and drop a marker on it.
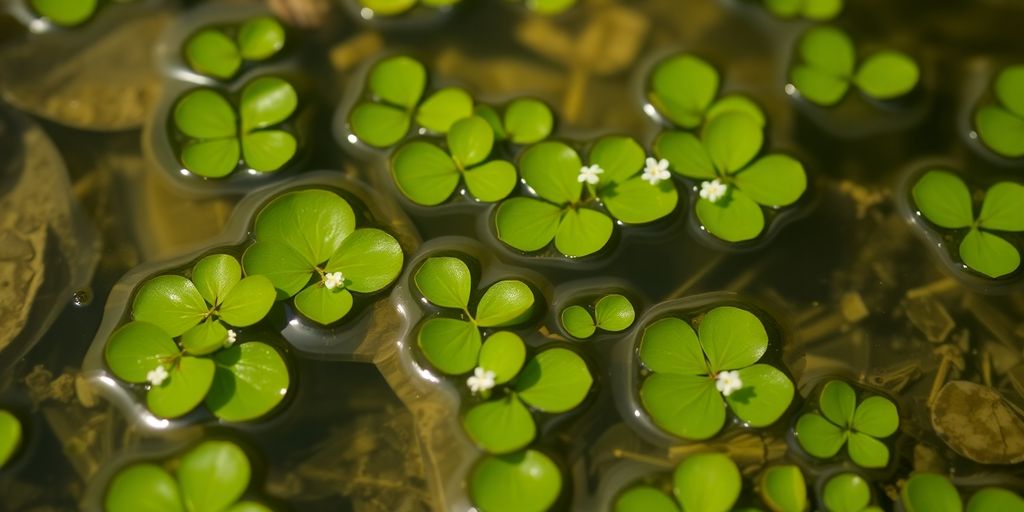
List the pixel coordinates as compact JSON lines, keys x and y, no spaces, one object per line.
{"x":876,"y":416}
{"x":527,"y":121}
{"x":707,"y":482}
{"x":251,"y":379}
{"x":732,"y":141}
{"x":136,"y":348}
{"x":440,"y":110}
{"x":636,"y":201}
{"x":399,"y":81}
{"x":994,"y":499}
{"x":1003,"y":207}
{"x":847,"y":492}
{"x":286,"y":268}
{"x":764,"y":397}
{"x":686,"y":155}
{"x":10,"y":436}
{"x":491,"y":181}
{"x":732,"y":338}
{"x":214,"y":275}
{"x":1009,"y":89}
{"x":527,"y":224}
{"x":783,"y":488}
{"x":929,"y":492}
{"x":143,"y":488}
{"x":670,"y":345}
{"x":209,"y":336}
{"x":170,"y":302}
{"x":688,"y":406}
{"x":775,"y":180}
{"x":213,"y":475}
{"x":190,"y":379}
{"x":379,"y":125}
{"x":211,"y":52}
{"x":887,"y":75}
{"x":370,"y":259}
{"x":555,"y":380}
{"x":248,"y":301}
{"x":500,"y":426}
{"x":989,"y":254}
{"x":503,"y":303}
{"x":445,"y":281}
{"x":503,"y":353}
{"x":268,"y":150}
{"x":818,"y":436}
{"x":214,"y":158}
{"x":618,"y":156}
{"x":736,"y":103}
{"x":452,"y":346}
{"x":1001,"y":130}
{"x":260,"y":38}
{"x":733,"y":218}
{"x":583,"y":232}
{"x":323,"y":305}
{"x":838,"y":403}
{"x":312,"y":222}
{"x":576,"y":321}
{"x":552,"y":169}
{"x":470,"y":141}
{"x":681,"y":89}
{"x":643,"y":498}
{"x":614,"y":313}
{"x":866,"y":451}
{"x":943,"y":199}
{"x":828,"y":65}
{"x":525,"y":481}
{"x":424,"y":173}
{"x":205,"y":114}
{"x":63,"y":12}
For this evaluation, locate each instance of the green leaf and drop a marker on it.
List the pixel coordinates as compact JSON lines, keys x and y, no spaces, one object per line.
{"x":267,"y":101}
{"x":260,"y":38}
{"x":492,"y":181}
{"x":369,"y":259}
{"x":732,"y":140}
{"x":887,"y":74}
{"x":503,"y":353}
{"x":818,"y":436}
{"x":681,"y":89}
{"x":736,"y":103}
{"x":818,"y":86}
{"x":643,"y":498}
{"x":1002,"y":131}
{"x":829,"y":50}
{"x":445,"y":281}
{"x":214,"y":275}
{"x":576,"y":321}
{"x":838,"y":403}
{"x":67,"y":13}
{"x":989,"y":254}
{"x":322,"y":305}
{"x":686,"y":154}
{"x":470,"y":141}
{"x":555,"y":380}
{"x":688,"y":406}
{"x":614,"y":313}
{"x":500,"y":426}
{"x":636,"y":201}
{"x":1008,"y":88}
{"x":209,"y":336}
{"x":503,"y":303}
{"x":526,"y":481}
{"x":670,"y":345}
{"x":170,"y":302}
{"x":732,"y":338}
{"x":822,"y":10}
{"x":877,"y":417}
{"x":136,"y":348}
{"x":312,"y":222}
{"x":528,"y":121}
{"x":487,"y":113}
{"x":398,"y":80}
{"x":928,"y":492}
{"x":424,"y":173}
{"x":527,"y":224}
{"x":775,"y":180}
{"x":765,"y":395}
{"x":943,"y":198}
{"x":248,"y":301}
{"x":211,"y":158}
{"x":440,"y":110}
{"x":734,"y":218}
{"x":210,"y":52}
{"x":10,"y":436}
{"x":1003,"y":208}
{"x":268,"y":150}
{"x":583,"y":232}
{"x":379,"y":125}
{"x":251,"y":379}
{"x":784,"y":8}
{"x":286,"y":268}
{"x":143,"y":488}
{"x":994,"y":499}
{"x":707,"y":482}
{"x":190,"y":378}
{"x":205,"y":114}
{"x":847,"y":492}
{"x":783,"y":489}
{"x":452,"y":346}
{"x":619,"y":157}
{"x":248,"y":506}
{"x":213,"y":475}
{"x":552,"y":170}
{"x":866,"y":451}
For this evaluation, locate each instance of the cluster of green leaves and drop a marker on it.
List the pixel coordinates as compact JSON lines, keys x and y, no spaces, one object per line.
{"x":213,"y":51}
{"x":930,"y":492}
{"x":683,"y":88}
{"x":212,"y":477}
{"x":386,"y":8}
{"x":848,"y":492}
{"x":239,"y":381}
{"x":944,"y":200}
{"x":10,"y":436}
{"x":305,"y":237}
{"x":1001,"y":125}
{"x":578,"y":216}
{"x":524,"y":481}
{"x":686,"y":363}
{"x":706,"y":482}
{"x":611,"y":313}
{"x":843,"y":421}
{"x":828,"y":67}
{"x":66,"y":13}
{"x":817,"y":10}
{"x":215,"y":140}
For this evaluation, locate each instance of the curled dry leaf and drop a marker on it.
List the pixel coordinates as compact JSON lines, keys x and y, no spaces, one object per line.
{"x":976,"y":422}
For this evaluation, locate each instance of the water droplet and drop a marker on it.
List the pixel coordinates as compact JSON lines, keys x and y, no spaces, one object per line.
{"x":82,"y":298}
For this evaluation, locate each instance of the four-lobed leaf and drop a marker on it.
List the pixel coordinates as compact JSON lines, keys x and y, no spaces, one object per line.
{"x":213,"y":52}
{"x":842,"y":421}
{"x":1001,"y":124}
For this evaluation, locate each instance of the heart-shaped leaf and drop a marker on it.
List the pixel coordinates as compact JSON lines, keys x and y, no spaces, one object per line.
{"x":452,"y":346}
{"x":251,"y":379}
{"x":183,"y":390}
{"x":143,"y":488}
{"x":500,"y":426}
{"x":136,"y":348}
{"x":555,"y":380}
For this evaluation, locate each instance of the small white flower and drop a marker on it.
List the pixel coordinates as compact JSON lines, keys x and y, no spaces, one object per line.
{"x":728,"y":381}
{"x":481,"y":380}
{"x":655,"y":171}
{"x":230,"y":340}
{"x":333,"y":280}
{"x":713,"y":190}
{"x":157,"y":376}
{"x":589,"y":174}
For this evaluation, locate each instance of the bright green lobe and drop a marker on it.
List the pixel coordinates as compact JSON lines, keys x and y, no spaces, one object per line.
{"x":644,"y":499}
{"x":784,"y":489}
{"x":775,"y":180}
{"x":260,"y":38}
{"x":268,"y":150}
{"x":205,"y":114}
{"x":442,"y":109}
{"x":819,"y":87}
{"x":503,"y":353}
{"x":838,"y":402}
{"x":818,"y":436}
{"x":555,"y":380}
{"x":445,"y":281}
{"x":379,"y":125}
{"x":251,"y":379}
{"x":248,"y":301}
{"x":67,"y":13}
{"x":1003,"y":208}
{"x":267,"y":101}
{"x":211,"y":158}
{"x":887,"y":75}
{"x":491,"y":181}
{"x":504,"y":302}
{"x":552,"y":170}
{"x":1009,"y":88}
{"x":398,"y":80}
{"x":184,"y":388}
{"x":209,"y":336}
{"x":286,"y":268}
{"x":526,"y":481}
{"x":527,"y":224}
{"x":764,"y":397}
{"x":847,"y":492}
{"x":452,"y":346}
{"x":311,"y":222}
{"x":10,"y":436}
{"x":500,"y":426}
{"x":213,"y":475}
{"x":732,"y":338}
{"x":829,"y":50}
{"x":470,"y":141}
{"x":322,"y":305}
{"x":943,"y":199}
{"x":929,"y":492}
{"x":989,"y":254}
{"x":369,"y":259}
{"x":670,"y":345}
{"x":707,"y":482}
{"x":866,"y":451}
{"x":685,"y":405}
{"x":682,"y":87}
{"x":1001,"y":130}
{"x":576,"y":321}
{"x":212,"y":53}
{"x":136,"y":348}
{"x":877,"y":417}
{"x":994,"y":499}
{"x":619,"y":157}
{"x":614,"y":313}
{"x":528,"y":121}
{"x":736,"y":103}
{"x":822,"y":10}
{"x":732,"y":141}
{"x":143,"y":488}
{"x":170,"y":302}
{"x":583,"y":232}
{"x":214,"y":275}
{"x":636,"y":201}
{"x":424,"y":173}
{"x":783,"y":8}
{"x":734,"y":218}
{"x":686,"y":155}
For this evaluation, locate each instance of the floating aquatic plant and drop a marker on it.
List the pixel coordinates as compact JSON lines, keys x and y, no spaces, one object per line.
{"x":611,"y":313}
{"x":428,"y":175}
{"x":734,"y":183}
{"x":828,"y":67}
{"x":1001,"y":125}
{"x":219,"y":52}
{"x":570,"y":194}
{"x":715,"y":367}
{"x":783,"y":489}
{"x":66,"y":13}
{"x":525,"y":481}
{"x":706,"y":482}
{"x":10,"y":436}
{"x":683,"y":89}
{"x":213,"y":476}
{"x":943,"y":199}
{"x":525,"y":121}
{"x":817,"y":10}
{"x":395,"y":87}
{"x":215,"y":139}
{"x":238,"y":381}
{"x":848,"y":492}
{"x":842,"y":421}
{"x":930,"y":492}
{"x":388,"y":8}
{"x":307,"y":244}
